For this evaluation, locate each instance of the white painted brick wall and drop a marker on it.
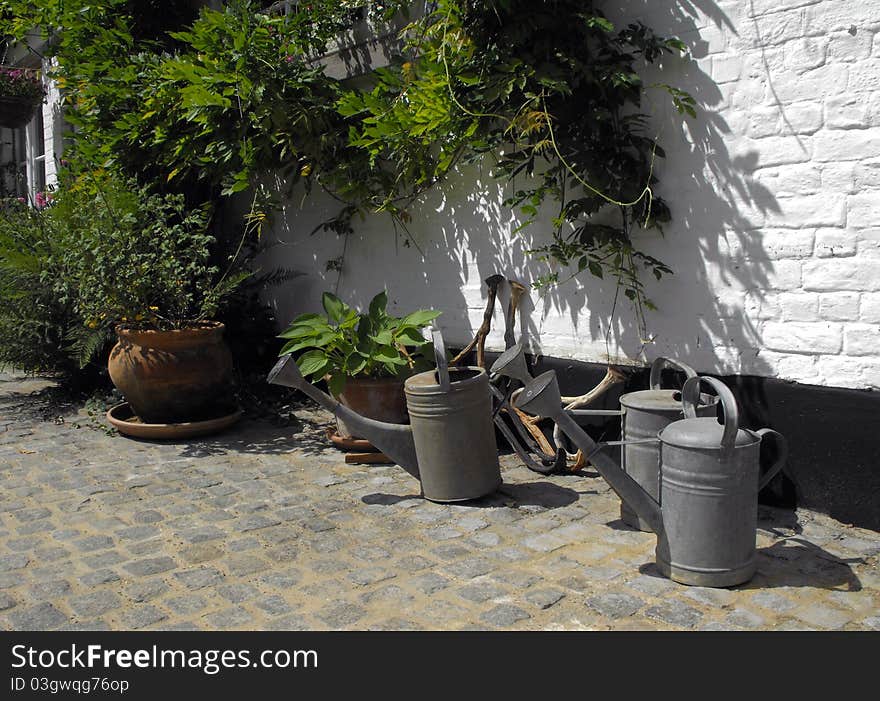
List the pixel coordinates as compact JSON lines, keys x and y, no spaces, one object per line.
{"x":775,"y":196}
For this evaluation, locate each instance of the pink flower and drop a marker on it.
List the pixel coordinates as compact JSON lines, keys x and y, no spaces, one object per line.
{"x":21,"y":199}
{"x":42,"y":200}
{"x":289,"y":58}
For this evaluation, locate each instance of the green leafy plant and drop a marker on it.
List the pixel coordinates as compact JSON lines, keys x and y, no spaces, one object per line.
{"x":138,"y":258}
{"x":39,"y":325}
{"x":344,"y":343}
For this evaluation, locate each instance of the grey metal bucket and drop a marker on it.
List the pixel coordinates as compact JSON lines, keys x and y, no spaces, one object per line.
{"x":645,"y":414}
{"x":453,"y":432}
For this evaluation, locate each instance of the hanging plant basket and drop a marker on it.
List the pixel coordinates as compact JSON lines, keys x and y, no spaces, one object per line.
{"x":15,"y":112}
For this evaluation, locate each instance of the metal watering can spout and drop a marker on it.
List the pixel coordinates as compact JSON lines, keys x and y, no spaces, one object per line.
{"x":395,"y":440}
{"x":541,"y":396}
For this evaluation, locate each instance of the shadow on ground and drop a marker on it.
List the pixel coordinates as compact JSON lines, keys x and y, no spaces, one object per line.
{"x":794,"y":562}
{"x":543,"y":494}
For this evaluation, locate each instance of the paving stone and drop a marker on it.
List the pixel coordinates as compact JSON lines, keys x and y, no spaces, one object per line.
{"x":239,"y":565}
{"x":141,"y":616}
{"x":43,"y":616}
{"x":23,"y":544}
{"x":824,"y":617}
{"x":201,"y":534}
{"x":146,"y":590}
{"x":95,"y":542}
{"x":103,"y":559}
{"x":370,"y":575}
{"x":148,"y":516}
{"x":515,"y":578}
{"x":273,"y":605}
{"x":504,"y":615}
{"x":743,"y":618}
{"x":6,"y":601}
{"x":238,"y":592}
{"x":544,"y":598}
{"x":655,"y":586}
{"x":413,"y":563}
{"x":391,"y":595}
{"x":153,"y":565}
{"x":469,"y":567}
{"x":430,"y":583}
{"x":51,"y":554}
{"x":186,"y":604}
{"x":16,"y":561}
{"x":615,"y":605}
{"x":290,"y":622}
{"x":284,"y":579}
{"x":243,"y":544}
{"x":50,"y":589}
{"x":32,"y":514}
{"x":480,"y":591}
{"x":255,"y":522}
{"x":485,"y":539}
{"x":773,"y":601}
{"x":94,"y":603}
{"x":203,"y":552}
{"x":709,"y":596}
{"x":675,"y":613}
{"x":545,"y":542}
{"x":342,"y":615}
{"x":199,"y":578}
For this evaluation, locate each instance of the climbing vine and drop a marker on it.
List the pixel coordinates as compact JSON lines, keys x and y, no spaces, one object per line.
{"x":548,"y":92}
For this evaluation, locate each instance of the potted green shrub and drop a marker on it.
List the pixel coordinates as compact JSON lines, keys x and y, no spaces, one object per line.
{"x":143,"y":270}
{"x":363,"y":356}
{"x":21,"y":91}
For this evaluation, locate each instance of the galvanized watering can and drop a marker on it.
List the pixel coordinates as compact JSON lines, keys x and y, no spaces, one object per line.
{"x":644,"y":414}
{"x":449,"y":445}
{"x":706,"y":515}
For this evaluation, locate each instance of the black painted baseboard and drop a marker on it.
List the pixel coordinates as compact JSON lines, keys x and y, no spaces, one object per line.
{"x":832,"y":433}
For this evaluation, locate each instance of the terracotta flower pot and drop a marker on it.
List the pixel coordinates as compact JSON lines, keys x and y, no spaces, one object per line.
{"x":173,"y":376}
{"x":379,"y":398}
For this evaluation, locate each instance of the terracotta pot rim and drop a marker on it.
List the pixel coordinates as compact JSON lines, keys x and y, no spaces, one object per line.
{"x":367,"y":380}
{"x":204,"y":332}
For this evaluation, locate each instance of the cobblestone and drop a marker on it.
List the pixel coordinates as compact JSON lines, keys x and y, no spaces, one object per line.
{"x":271,"y":530}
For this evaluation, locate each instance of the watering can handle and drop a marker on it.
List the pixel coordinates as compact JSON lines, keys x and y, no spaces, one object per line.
{"x":440,"y":358}
{"x":690,"y":397}
{"x":781,"y":457}
{"x":660,"y":363}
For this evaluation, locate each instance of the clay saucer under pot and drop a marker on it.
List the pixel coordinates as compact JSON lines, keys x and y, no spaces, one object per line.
{"x":126,"y":422}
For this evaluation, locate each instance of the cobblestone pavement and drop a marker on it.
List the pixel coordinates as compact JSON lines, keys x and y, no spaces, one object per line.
{"x":267,"y":528}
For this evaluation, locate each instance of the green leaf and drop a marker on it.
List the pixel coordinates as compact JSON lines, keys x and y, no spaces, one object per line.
{"x":420,"y":318}
{"x":336,"y":309}
{"x":409,"y":336}
{"x":389,"y":354}
{"x":378,"y":305}
{"x":336,"y":383}
{"x":313,"y":363}
{"x":384,"y":337}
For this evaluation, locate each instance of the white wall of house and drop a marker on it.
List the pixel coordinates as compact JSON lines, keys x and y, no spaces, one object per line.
{"x":775,"y":195}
